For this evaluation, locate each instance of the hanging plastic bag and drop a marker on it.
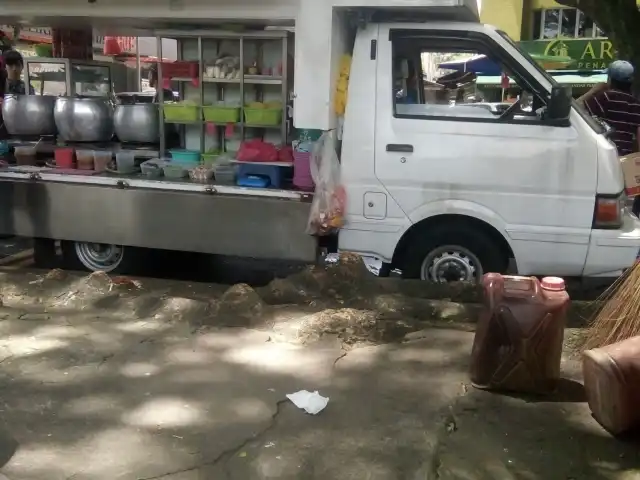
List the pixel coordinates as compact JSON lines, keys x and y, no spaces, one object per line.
{"x":328,"y":206}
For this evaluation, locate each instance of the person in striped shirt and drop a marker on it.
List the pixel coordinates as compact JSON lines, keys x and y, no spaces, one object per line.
{"x":614,"y":103}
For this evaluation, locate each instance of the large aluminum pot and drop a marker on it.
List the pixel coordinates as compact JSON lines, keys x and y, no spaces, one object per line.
{"x":29,"y":115}
{"x":137,"y":123}
{"x":84,"y":119}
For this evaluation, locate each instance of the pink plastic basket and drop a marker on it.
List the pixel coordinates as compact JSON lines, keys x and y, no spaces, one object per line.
{"x":302,"y":178}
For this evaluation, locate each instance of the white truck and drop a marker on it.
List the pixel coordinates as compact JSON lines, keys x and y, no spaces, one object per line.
{"x":440,"y":191}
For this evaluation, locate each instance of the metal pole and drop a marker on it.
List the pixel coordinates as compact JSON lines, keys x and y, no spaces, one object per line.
{"x":160,"y":94}
{"x":138,"y":67}
{"x":201,"y":91}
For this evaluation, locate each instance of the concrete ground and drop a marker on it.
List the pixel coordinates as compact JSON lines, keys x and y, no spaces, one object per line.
{"x":110,"y":379}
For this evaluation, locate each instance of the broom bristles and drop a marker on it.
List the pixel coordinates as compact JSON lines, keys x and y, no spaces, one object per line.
{"x":619,"y":317}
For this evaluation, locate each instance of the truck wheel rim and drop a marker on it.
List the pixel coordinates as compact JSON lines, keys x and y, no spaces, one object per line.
{"x":99,"y":256}
{"x":451,"y":263}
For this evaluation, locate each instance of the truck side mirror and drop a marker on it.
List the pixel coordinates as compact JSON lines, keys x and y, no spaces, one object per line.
{"x":559,"y":106}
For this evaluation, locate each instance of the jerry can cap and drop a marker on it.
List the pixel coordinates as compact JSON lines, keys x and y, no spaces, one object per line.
{"x":555,"y":284}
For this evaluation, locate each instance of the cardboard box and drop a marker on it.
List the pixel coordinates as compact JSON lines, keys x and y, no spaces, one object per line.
{"x":631,"y":171}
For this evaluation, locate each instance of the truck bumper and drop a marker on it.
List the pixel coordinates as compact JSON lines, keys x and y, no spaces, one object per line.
{"x":613,"y":251}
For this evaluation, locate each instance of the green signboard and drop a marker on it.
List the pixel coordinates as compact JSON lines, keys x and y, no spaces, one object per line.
{"x":594,"y":54}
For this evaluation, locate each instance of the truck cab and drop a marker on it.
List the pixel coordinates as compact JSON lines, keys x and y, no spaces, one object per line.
{"x":449,"y":191}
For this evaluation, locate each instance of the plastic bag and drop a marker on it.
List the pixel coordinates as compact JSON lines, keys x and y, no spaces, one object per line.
{"x":329,"y":201}
{"x":285,"y":154}
{"x":257,"y":151}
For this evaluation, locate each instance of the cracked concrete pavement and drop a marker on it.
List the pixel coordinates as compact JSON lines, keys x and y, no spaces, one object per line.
{"x":98,"y":385}
{"x":107,"y":397}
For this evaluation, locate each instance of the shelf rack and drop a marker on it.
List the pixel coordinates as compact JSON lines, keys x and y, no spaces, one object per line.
{"x":245,"y":84}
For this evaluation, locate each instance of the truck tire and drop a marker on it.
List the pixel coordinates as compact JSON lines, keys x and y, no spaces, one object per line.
{"x":452,"y":253}
{"x":93,"y":257}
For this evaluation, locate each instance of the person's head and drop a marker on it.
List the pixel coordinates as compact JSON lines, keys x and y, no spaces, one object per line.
{"x":621,"y":76}
{"x":13,"y":63}
{"x":153,"y":76}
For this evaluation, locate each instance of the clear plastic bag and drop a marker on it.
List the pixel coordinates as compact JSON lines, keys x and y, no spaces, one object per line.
{"x":328,"y":206}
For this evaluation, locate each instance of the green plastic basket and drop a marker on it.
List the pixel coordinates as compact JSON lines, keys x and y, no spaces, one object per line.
{"x":221,"y":114}
{"x":181,"y":113}
{"x":263,"y":116}
{"x":209,"y":159}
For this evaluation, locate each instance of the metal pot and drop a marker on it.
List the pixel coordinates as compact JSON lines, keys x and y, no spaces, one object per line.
{"x":137,"y":123}
{"x":84,"y":119}
{"x":29,"y":115}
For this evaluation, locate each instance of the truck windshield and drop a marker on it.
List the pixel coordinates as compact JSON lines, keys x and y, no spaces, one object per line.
{"x":529,"y":58}
{"x":593,"y":123}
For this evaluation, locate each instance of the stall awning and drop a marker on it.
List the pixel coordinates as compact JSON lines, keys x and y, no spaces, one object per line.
{"x":572,"y":80}
{"x":481,"y":64}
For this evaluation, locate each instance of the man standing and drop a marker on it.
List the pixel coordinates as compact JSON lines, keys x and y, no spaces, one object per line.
{"x":14,"y":64}
{"x":614,"y":103}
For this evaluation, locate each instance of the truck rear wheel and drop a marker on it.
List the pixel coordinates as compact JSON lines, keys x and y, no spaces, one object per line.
{"x":452,"y":254}
{"x":95,"y":257}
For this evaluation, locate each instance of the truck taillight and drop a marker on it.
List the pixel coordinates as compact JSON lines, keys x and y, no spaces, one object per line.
{"x":609,"y":211}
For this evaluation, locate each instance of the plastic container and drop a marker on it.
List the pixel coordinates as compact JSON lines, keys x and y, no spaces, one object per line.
{"x":180,"y":68}
{"x":263,"y":116}
{"x":64,"y":157}
{"x":518,"y":341}
{"x":178,"y":113}
{"x":102,"y":160}
{"x":221,"y":114}
{"x":153,"y":168}
{"x":85,"y":159}
{"x":302,"y":178}
{"x":274,"y":173}
{"x":253,"y":181}
{"x":210,"y":159}
{"x":125,"y":162}
{"x":4,"y":147}
{"x":175,"y":171}
{"x":25,"y":155}
{"x":201,"y":174}
{"x":224,"y":173}
{"x":612,"y":384}
{"x":185,"y":156}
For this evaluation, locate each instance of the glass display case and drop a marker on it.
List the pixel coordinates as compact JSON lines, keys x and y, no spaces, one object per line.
{"x":63,"y":77}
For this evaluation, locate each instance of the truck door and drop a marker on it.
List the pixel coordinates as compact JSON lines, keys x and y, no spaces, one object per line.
{"x":452,"y":149}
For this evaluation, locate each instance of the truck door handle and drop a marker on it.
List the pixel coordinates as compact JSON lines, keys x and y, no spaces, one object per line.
{"x":398,"y":147}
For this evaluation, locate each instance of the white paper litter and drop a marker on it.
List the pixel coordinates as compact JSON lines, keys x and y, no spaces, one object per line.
{"x":310,"y":402}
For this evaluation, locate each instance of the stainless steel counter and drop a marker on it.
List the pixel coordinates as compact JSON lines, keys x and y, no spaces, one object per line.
{"x":172,"y":215}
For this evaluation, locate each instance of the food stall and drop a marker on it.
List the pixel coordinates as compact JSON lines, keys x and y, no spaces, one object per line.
{"x":232,"y":88}
{"x":580,"y":83}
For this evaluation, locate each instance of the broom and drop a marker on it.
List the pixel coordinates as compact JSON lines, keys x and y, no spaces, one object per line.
{"x":619,"y":317}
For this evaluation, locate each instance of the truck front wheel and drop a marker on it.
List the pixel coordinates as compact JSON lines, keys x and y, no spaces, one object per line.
{"x":97,"y":257}
{"x":452,"y":254}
